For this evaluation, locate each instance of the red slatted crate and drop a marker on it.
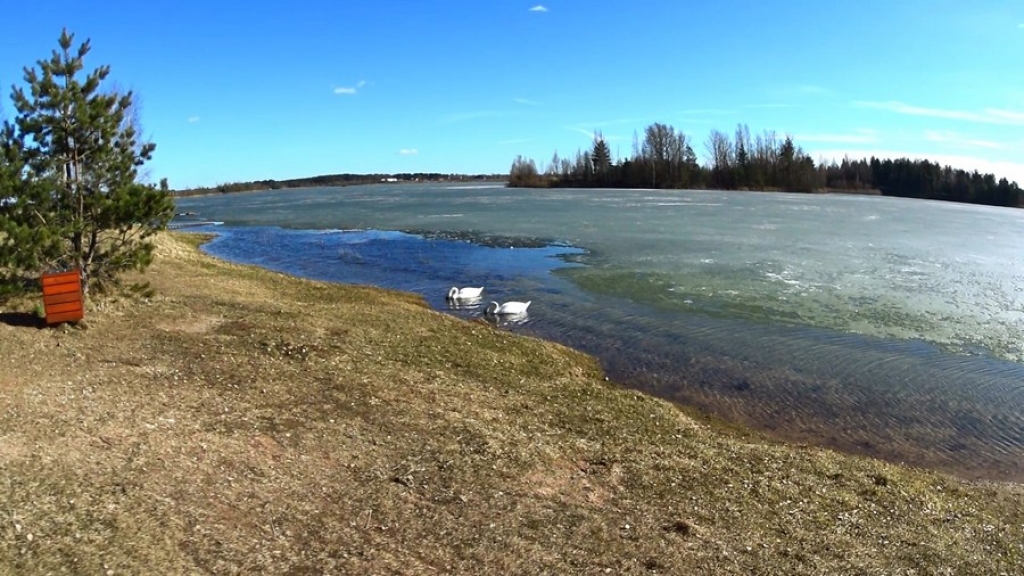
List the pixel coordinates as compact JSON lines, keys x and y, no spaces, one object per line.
{"x":62,"y":297}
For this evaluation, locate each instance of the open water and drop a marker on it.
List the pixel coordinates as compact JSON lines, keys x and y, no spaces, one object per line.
{"x":881,"y":326}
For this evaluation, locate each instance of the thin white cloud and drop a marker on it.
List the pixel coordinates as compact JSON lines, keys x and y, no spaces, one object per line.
{"x":604,"y":123}
{"x":349,"y":90}
{"x":816,"y":90}
{"x":193,"y":119}
{"x":902,"y":108}
{"x":526,"y":102}
{"x":592,"y":134}
{"x":948,"y":137}
{"x":767,"y":106}
{"x":515,"y":141}
{"x":1021,"y":26}
{"x":538,"y":8}
{"x":986,"y":116}
{"x":709,"y":117}
{"x":1015,"y":117}
{"x":706,"y":112}
{"x":983,"y":143}
{"x":408,"y":152}
{"x":584,"y":131}
{"x":468,"y":116}
{"x":940,"y":136}
{"x":859,"y":137}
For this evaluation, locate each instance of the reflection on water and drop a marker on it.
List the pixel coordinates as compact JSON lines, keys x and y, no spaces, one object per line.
{"x":465,"y":303}
{"x":508,"y":320}
{"x":825,"y":332}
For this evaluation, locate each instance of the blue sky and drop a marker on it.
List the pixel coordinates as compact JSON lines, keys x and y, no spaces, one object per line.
{"x":235,"y":91}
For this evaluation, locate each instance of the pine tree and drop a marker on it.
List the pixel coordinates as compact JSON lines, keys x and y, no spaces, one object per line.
{"x":70,"y":172}
{"x":601,"y":156}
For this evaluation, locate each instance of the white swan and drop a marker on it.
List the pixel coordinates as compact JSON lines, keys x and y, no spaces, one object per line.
{"x":464,"y":293}
{"x":507,"y":308}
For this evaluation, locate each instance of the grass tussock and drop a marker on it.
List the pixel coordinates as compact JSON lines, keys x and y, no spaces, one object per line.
{"x":240,"y":421}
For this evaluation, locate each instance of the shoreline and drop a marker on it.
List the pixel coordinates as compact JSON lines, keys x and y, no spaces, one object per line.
{"x":247,"y":421}
{"x":775,"y":400}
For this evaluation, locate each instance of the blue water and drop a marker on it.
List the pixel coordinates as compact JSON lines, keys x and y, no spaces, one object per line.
{"x":398,"y":260}
{"x":875,"y":326}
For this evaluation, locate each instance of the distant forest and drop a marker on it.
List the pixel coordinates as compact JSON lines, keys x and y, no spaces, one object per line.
{"x":337,"y":180}
{"x":664,"y":158}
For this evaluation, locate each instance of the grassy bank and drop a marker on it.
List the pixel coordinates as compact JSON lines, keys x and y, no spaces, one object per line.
{"x":241,"y":421}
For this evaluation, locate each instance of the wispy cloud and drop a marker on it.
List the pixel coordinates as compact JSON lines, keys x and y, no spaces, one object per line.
{"x":957,"y":138}
{"x":706,"y":112}
{"x":902,"y":108}
{"x":349,"y":90}
{"x":815,"y":90}
{"x":468,"y":116}
{"x":538,"y":8}
{"x":592,"y":134}
{"x":1021,"y":25}
{"x":1015,"y":117}
{"x":408,"y":152}
{"x":526,"y":102}
{"x":986,"y":116}
{"x":515,"y":141}
{"x":193,"y":119}
{"x":865,"y":136}
{"x":584,"y":131}
{"x":706,"y":116}
{"x":767,"y":106}
{"x":589,"y":127}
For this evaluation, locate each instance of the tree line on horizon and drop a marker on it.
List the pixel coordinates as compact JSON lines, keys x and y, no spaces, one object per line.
{"x":664,"y":158}
{"x":334,"y":180}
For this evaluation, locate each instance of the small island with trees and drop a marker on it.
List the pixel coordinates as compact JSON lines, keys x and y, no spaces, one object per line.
{"x":664,"y":158}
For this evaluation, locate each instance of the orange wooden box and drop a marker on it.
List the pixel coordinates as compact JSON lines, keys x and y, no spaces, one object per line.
{"x":62,"y":297}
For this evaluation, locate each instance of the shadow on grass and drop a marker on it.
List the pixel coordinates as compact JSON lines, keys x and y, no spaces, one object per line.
{"x":21,"y":320}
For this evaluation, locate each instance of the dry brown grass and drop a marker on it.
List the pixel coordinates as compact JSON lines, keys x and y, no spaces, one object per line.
{"x":245,"y":422}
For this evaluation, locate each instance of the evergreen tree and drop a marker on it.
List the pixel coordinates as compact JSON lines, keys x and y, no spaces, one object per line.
{"x":71,"y":162}
{"x":25,"y":230}
{"x":601,"y":156}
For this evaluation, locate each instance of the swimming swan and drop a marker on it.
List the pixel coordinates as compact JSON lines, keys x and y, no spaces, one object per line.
{"x":461,"y":293}
{"x":507,"y":308}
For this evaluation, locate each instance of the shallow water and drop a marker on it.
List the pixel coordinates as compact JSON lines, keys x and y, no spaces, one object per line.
{"x":880,"y":326}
